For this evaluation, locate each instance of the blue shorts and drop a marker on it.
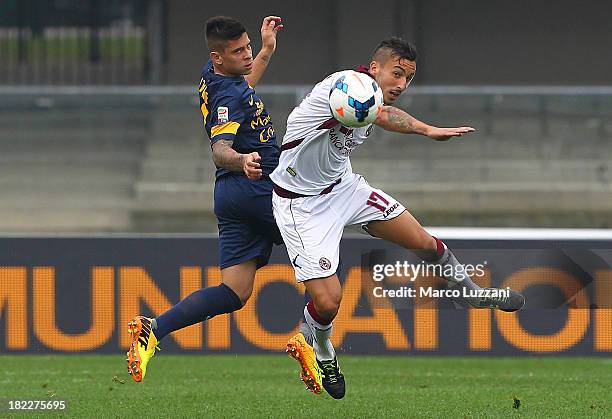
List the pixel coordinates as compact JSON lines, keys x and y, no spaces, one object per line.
{"x":247,"y":229}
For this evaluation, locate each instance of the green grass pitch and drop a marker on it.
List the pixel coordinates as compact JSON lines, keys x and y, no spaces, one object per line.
{"x":268,"y":386}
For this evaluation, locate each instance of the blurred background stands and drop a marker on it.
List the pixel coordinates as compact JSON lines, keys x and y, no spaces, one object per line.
{"x":95,"y":134}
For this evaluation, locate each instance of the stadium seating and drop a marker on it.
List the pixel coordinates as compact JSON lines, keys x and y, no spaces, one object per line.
{"x":148,"y":167}
{"x":67,"y":166}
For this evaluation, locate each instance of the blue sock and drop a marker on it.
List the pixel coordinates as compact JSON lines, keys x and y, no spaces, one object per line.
{"x":195,"y":308}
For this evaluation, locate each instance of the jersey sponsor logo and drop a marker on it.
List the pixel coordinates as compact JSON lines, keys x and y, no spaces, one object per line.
{"x":291,"y":171}
{"x":348,"y":132}
{"x":324,"y":263}
{"x":345,"y":145}
{"x":258,"y":121}
{"x":260,"y":107}
{"x":222,"y":115}
{"x":261,"y":121}
{"x":258,"y":104}
{"x":266,"y":134}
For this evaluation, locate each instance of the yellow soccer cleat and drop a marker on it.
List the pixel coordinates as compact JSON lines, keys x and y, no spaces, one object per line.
{"x":142,"y":348}
{"x":302,"y":352}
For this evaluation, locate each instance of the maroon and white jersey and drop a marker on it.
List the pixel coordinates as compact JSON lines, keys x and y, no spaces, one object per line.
{"x":316,"y":149}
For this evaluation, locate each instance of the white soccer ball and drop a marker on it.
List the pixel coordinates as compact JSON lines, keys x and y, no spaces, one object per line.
{"x":355,"y":99}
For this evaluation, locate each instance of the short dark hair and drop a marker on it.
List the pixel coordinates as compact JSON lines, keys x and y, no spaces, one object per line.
{"x":394,"y":47}
{"x":220,"y":29}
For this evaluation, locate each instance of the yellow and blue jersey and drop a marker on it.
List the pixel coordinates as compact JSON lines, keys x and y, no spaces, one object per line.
{"x":232,"y":111}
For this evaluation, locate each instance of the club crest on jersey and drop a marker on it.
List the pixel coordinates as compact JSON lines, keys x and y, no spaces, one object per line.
{"x":222,"y":115}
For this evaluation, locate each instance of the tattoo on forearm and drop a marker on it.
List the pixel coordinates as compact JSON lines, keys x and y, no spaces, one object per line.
{"x":225,"y":156}
{"x":265,"y":59}
{"x":400,"y":120}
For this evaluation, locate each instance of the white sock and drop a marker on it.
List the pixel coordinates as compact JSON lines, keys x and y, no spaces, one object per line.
{"x":323,"y":347}
{"x":457,"y":281}
{"x":458,"y":275}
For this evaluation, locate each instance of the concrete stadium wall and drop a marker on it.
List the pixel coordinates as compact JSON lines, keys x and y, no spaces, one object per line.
{"x":133,"y":159}
{"x":475,"y":42}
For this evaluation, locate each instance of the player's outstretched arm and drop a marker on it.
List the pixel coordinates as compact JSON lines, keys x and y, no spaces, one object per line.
{"x":269,"y":28}
{"x":396,"y":120}
{"x":226,"y":157}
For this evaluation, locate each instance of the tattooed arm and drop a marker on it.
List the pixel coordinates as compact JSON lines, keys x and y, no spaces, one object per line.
{"x":269,"y":29}
{"x":396,"y":120}
{"x":226,"y":157}
{"x":259,"y":67}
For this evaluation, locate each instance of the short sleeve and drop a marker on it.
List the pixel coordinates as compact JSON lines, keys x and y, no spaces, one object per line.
{"x":226,"y":115}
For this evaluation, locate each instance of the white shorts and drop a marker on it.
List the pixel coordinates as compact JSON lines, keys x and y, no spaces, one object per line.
{"x":312,"y":226}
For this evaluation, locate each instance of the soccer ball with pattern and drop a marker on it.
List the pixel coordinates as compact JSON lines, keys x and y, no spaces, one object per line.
{"x":355,"y":99}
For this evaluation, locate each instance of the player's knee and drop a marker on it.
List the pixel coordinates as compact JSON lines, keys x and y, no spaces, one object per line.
{"x":242,"y":289}
{"x":329,"y":305}
{"x":244,"y":296}
{"x":431,"y":243}
{"x":426,"y":246}
{"x":425,"y":241}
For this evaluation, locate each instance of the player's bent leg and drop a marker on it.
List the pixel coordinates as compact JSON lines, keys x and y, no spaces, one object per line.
{"x":240,"y":279}
{"x":406,"y":231}
{"x":319,"y":313}
{"x":236,"y":287}
{"x":197,"y":307}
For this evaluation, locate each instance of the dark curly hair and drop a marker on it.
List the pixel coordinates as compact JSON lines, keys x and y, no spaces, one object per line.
{"x":394,"y":47}
{"x":220,"y":29}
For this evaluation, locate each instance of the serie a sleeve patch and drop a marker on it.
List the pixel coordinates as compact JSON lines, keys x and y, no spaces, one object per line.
{"x":222,"y":115}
